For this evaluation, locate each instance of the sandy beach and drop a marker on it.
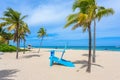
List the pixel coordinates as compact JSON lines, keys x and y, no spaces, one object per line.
{"x":35,"y":66}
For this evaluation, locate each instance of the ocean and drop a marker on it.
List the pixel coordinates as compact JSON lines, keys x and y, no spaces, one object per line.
{"x":100,"y":48}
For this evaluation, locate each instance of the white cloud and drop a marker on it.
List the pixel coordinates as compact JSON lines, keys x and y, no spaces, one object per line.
{"x":50,"y":13}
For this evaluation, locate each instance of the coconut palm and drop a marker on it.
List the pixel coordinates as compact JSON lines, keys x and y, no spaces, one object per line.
{"x":5,"y":37}
{"x":86,"y":9}
{"x":41,"y":34}
{"x":23,"y":31}
{"x":98,"y":14}
{"x":93,"y":11}
{"x":82,"y":19}
{"x":13,"y":20}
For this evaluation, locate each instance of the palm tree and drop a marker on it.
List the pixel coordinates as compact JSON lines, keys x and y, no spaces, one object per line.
{"x":23,"y":31}
{"x":13,"y":20}
{"x":98,"y":13}
{"x":82,"y":18}
{"x":5,"y":37}
{"x":93,"y":11}
{"x":41,"y":33}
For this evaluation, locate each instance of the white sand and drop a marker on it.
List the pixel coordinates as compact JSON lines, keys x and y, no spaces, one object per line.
{"x":35,"y":66}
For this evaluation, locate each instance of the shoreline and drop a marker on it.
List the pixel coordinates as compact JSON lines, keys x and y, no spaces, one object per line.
{"x":78,"y":49}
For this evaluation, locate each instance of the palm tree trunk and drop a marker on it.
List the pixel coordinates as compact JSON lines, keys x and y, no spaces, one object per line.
{"x":94,"y":43}
{"x":17,"y":49}
{"x":24,"y":47}
{"x":18,"y":44}
{"x":17,"y":41}
{"x":7,"y":42}
{"x":90,"y":44}
{"x":40,"y":44}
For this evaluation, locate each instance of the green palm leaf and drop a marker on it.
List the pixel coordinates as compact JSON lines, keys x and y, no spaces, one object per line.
{"x":11,"y":27}
{"x":104,"y":12}
{"x":4,"y":24}
{"x":71,"y":19}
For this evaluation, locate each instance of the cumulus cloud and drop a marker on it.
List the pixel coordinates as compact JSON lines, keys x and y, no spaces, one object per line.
{"x":50,"y":13}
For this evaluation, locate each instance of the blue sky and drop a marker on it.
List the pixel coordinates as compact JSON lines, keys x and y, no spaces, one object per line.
{"x":52,"y":15}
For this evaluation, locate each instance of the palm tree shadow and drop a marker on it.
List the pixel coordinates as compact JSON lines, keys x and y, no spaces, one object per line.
{"x":85,"y":64}
{"x":38,"y":52}
{"x":31,"y":56}
{"x":86,"y":55}
{"x":7,"y":74}
{"x":34,"y":51}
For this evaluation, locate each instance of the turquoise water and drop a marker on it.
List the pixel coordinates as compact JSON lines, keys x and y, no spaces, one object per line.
{"x":109,"y":48}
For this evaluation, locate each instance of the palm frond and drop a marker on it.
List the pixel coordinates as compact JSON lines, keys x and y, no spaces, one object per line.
{"x":2,"y":39}
{"x":72,"y":16}
{"x":70,"y":23}
{"x":7,"y":20}
{"x":71,"y":19}
{"x":4,"y":24}
{"x":75,"y":26}
{"x":85,"y":27}
{"x":81,"y":4}
{"x":82,"y":18}
{"x":23,"y":17}
{"x":12,"y":14}
{"x":104,"y":12}
{"x":11,"y":27}
{"x":100,"y":7}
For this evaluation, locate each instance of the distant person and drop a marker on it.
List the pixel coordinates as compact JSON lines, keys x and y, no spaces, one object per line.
{"x":29,"y":46}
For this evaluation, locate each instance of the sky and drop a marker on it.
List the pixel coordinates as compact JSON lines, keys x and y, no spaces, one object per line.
{"x":52,"y":15}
